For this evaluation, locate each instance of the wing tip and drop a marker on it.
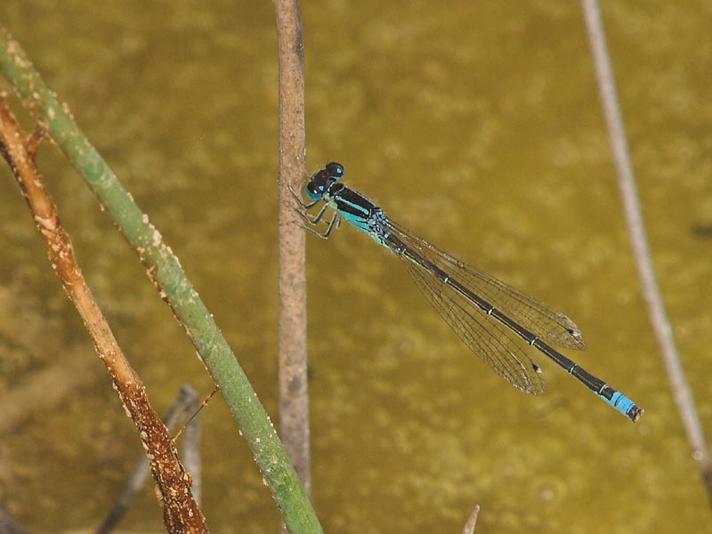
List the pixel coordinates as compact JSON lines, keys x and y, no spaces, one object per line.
{"x":573,"y":338}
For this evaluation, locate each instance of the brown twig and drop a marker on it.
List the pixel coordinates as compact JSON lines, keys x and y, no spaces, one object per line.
{"x":8,"y":524}
{"x":293,"y":385}
{"x":181,"y":408}
{"x":469,"y":527}
{"x":181,"y":513}
{"x":636,"y":229}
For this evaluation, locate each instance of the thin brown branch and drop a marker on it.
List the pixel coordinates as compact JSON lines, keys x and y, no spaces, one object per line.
{"x":469,"y":527}
{"x":184,"y":404}
{"x":293,"y":385}
{"x":641,"y":250}
{"x":8,"y":524}
{"x":181,"y":513}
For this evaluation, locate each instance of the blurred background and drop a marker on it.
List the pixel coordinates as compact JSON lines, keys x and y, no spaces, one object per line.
{"x":477,"y":125}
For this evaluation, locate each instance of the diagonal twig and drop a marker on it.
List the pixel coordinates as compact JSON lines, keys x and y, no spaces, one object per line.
{"x":8,"y":524}
{"x":469,"y":527}
{"x":180,"y":512}
{"x":185,"y":401}
{"x":636,"y":229}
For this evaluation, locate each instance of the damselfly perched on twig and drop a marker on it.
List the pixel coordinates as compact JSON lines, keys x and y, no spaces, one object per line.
{"x":483,"y":312}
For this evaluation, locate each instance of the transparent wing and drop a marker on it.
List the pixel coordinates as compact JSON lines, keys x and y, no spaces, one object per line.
{"x":485,"y":337}
{"x":542,"y":321}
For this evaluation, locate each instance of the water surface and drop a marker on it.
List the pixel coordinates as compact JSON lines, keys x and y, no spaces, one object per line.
{"x":475,"y":124}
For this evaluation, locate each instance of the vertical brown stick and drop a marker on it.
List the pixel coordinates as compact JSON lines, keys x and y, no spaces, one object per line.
{"x":293,"y":385}
{"x":636,"y":229}
{"x":180,"y":512}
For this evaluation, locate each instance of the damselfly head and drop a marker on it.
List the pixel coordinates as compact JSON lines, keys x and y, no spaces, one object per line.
{"x":320,"y":182}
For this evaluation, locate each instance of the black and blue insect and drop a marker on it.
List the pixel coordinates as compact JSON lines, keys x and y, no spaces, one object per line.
{"x":494,"y":320}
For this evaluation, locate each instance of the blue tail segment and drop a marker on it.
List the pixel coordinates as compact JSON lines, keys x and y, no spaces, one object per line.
{"x":622,"y":403}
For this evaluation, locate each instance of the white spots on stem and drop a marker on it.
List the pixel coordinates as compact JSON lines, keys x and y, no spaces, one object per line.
{"x":156,"y":237}
{"x":45,"y":222}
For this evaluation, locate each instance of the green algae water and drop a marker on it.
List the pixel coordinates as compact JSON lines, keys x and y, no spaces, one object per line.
{"x":476,"y":124}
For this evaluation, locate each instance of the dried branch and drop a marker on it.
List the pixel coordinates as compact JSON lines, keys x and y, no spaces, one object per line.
{"x":469,"y":527}
{"x":181,"y":513}
{"x":185,"y":400}
{"x":8,"y":524}
{"x":293,"y":382}
{"x":641,"y":250}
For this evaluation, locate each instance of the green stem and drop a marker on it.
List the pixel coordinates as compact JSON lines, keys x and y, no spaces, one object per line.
{"x":170,"y":279}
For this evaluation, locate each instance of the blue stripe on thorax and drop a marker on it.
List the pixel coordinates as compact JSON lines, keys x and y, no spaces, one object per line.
{"x":358,"y":210}
{"x":350,"y":201}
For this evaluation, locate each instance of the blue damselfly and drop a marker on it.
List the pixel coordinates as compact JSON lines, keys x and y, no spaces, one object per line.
{"x":493,"y":319}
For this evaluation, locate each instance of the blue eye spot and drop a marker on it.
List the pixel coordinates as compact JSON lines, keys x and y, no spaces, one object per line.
{"x":335,"y":170}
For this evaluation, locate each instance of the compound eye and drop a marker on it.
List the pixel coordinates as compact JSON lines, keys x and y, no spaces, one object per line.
{"x":335,"y":170}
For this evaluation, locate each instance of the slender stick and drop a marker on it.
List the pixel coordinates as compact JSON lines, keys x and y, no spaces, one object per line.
{"x":186,"y":398}
{"x":180,"y":512}
{"x":173,"y":285}
{"x":8,"y":524}
{"x":293,"y":384}
{"x":469,"y":527}
{"x":190,"y":449}
{"x":636,"y":228}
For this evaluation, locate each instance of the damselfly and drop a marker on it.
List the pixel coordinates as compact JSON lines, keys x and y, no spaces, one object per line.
{"x":493,"y":319}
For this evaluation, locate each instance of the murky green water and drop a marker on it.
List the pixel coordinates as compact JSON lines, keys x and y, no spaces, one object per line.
{"x":478,"y":125}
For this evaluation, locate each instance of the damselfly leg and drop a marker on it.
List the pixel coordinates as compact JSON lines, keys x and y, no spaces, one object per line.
{"x":312,"y":222}
{"x":331,"y":226}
